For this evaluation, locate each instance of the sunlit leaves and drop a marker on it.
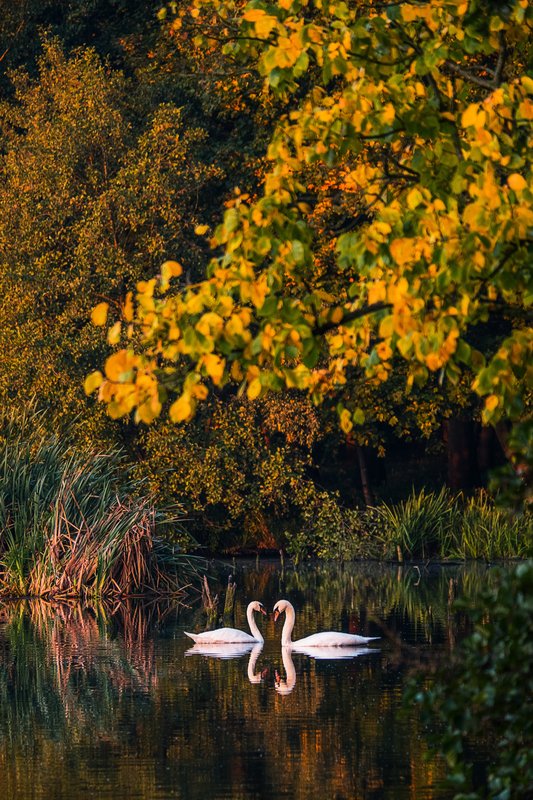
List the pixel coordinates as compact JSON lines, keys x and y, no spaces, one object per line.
{"x":412,"y":125}
{"x":99,"y":314}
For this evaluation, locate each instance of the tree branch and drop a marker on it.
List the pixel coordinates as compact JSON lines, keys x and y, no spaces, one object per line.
{"x":357,"y":314}
{"x":468,"y":76}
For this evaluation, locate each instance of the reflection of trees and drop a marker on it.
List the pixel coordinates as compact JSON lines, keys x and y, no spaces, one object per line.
{"x":94,"y":696}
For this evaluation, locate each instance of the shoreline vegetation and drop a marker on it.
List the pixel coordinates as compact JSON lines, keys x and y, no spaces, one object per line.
{"x":78,"y":525}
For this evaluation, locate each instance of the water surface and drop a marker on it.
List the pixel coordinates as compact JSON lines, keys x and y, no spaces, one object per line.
{"x":105,"y":702}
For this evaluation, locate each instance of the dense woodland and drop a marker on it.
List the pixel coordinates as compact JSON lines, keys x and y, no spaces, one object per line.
{"x":126,"y":130}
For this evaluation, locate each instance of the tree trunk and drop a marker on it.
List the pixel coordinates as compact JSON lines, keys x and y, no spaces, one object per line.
{"x":459,"y":449}
{"x":363,"y":471}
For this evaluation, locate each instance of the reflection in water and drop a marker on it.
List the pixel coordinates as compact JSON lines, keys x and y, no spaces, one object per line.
{"x":103,"y":702}
{"x":285,"y":686}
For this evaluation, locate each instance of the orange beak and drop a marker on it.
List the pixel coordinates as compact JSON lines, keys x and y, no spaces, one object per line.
{"x":276,"y":615}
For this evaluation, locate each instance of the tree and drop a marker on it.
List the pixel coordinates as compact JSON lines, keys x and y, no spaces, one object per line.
{"x":424,"y":121}
{"x":96,"y":185}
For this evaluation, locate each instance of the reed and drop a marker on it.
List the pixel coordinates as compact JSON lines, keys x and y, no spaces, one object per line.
{"x":447,"y":526}
{"x":418,"y":526}
{"x":78,"y":525}
{"x":491,"y":533}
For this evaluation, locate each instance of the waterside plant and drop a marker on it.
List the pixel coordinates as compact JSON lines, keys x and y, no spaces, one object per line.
{"x":426,"y":525}
{"x":479,"y":704}
{"x":78,"y":525}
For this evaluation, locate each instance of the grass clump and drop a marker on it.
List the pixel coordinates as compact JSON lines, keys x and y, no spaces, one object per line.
{"x":443,"y":525}
{"x":77,"y":525}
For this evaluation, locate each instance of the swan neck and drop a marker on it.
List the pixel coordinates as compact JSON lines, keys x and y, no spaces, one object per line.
{"x":288,"y":625}
{"x":256,"y":633}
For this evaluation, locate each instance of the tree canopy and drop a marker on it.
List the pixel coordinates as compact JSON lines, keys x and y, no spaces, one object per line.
{"x":417,"y":118}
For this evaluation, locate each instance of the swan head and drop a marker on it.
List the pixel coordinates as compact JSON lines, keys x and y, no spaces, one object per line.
{"x":255,"y":605}
{"x":280,"y":607}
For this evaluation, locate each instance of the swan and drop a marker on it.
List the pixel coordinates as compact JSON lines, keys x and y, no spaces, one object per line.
{"x":322,"y":639}
{"x":229,"y":635}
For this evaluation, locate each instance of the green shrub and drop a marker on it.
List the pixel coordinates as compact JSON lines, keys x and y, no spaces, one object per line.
{"x":482,"y":703}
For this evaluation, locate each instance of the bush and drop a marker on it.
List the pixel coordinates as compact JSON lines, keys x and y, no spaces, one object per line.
{"x":482,"y":704}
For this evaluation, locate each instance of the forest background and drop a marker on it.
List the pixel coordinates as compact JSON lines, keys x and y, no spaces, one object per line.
{"x":126,"y":133}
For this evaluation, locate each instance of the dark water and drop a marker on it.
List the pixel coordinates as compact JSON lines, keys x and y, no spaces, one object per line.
{"x":104,"y":702}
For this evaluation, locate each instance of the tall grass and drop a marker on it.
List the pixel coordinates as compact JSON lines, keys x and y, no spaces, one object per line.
{"x":418,"y":526}
{"x":78,"y":525}
{"x":443,"y":525}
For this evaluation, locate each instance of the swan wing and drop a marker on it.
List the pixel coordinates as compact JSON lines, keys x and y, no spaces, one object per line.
{"x":333,"y":639}
{"x":222,"y":636}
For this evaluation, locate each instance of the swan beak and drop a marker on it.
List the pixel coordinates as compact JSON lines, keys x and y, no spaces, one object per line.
{"x":276,"y":615}
{"x":263,"y":611}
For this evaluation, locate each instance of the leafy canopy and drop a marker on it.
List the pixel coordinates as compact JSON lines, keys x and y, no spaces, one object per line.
{"x":420,"y":114}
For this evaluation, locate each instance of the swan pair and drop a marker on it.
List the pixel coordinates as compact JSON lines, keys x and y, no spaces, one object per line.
{"x":322,"y":639}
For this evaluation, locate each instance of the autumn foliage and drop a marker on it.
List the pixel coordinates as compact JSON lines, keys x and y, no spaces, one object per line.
{"x":420,"y":115}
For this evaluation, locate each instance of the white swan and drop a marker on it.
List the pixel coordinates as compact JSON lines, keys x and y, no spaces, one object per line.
{"x":322,"y":639}
{"x":229,"y":635}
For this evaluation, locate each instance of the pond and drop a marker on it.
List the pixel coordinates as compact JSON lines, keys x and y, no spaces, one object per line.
{"x":106,"y":702}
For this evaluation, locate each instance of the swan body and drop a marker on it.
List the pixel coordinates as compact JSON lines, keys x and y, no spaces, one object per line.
{"x":322,"y":639}
{"x":233,"y":635}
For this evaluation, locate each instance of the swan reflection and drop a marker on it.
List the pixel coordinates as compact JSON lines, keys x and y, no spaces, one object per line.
{"x":220,"y":650}
{"x":334,"y":652}
{"x":287,"y":684}
{"x":232,"y":651}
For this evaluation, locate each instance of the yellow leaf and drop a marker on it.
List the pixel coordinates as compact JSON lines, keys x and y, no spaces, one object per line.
{"x":236,"y":371}
{"x":469,"y":116}
{"x":491,"y":402}
{"x":148,"y":411}
{"x":127,"y":308}
{"x":93,"y":381}
{"x":254,"y":389}
{"x":182,"y":409}
{"x":346,"y":421}
{"x":336,"y":315}
{"x":113,"y":334}
{"x":401,"y":250}
{"x":516,"y":182}
{"x":99,"y":314}
{"x":214,"y":366}
{"x":119,"y":366}
{"x":170,"y":269}
{"x":414,"y":198}
{"x":386,"y":327}
{"x":201,"y":229}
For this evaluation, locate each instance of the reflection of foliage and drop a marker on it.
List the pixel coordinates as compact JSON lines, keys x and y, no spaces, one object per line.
{"x":88,"y":695}
{"x":483,"y":702}
{"x":77,"y":524}
{"x":57,"y":656}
